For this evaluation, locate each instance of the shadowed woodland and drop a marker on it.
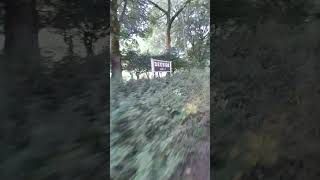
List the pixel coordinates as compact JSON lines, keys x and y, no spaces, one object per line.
{"x":53,"y":99}
{"x":265,"y":90}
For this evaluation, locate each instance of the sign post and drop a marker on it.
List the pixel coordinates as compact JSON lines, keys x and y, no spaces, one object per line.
{"x":159,"y":66}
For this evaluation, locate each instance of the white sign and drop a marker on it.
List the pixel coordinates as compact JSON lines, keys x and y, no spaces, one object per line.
{"x":161,"y":66}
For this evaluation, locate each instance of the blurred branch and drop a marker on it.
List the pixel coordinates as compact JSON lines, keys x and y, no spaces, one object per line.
{"x":179,"y":11}
{"x":123,"y":11}
{"x":157,"y":6}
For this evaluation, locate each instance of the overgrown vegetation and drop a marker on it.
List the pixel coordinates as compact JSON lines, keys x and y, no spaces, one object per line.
{"x":169,"y":30}
{"x":264,"y":90}
{"x":60,"y":128}
{"x":52,"y":89}
{"x":155,"y":124}
{"x":139,"y":63}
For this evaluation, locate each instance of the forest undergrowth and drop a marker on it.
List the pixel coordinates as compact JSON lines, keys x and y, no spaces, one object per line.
{"x":56,"y":127}
{"x":156,"y":123}
{"x":264,"y":94}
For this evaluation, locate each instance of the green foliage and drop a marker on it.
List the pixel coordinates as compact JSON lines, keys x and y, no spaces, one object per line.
{"x":140,"y":63}
{"x":199,"y":132}
{"x":233,"y":167}
{"x":189,"y":33}
{"x":192,"y":36}
{"x":153,"y":126}
{"x":251,"y":150}
{"x":136,"y":62}
{"x":86,"y":16}
{"x":135,"y":18}
{"x":223,"y":119}
{"x":259,"y":149}
{"x":247,"y":11}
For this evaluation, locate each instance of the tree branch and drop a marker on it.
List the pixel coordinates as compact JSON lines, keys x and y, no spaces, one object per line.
{"x":159,"y":17}
{"x":179,"y":11}
{"x":157,"y":6}
{"x":123,"y":11}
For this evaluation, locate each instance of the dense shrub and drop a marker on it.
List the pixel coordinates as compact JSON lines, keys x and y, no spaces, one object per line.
{"x":265,"y":82}
{"x":154,"y":124}
{"x":55,"y":133}
{"x":139,"y":63}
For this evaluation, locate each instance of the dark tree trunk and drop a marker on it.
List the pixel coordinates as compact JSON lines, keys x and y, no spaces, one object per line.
{"x":22,"y":57}
{"x":116,"y":69}
{"x":68,"y":39}
{"x":168,"y":42}
{"x":21,"y":34}
{"x":131,"y":74}
{"x":147,"y":75}
{"x":168,"y":32}
{"x":88,"y":40}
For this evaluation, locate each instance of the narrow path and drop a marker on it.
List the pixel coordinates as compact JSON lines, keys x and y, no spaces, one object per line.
{"x":197,"y":166}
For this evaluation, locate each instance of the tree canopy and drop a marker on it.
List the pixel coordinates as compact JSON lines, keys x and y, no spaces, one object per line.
{"x":161,"y":27}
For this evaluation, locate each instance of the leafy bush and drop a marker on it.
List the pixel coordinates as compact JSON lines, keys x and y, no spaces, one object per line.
{"x":253,"y":83}
{"x":139,"y":63}
{"x":153,"y":124}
